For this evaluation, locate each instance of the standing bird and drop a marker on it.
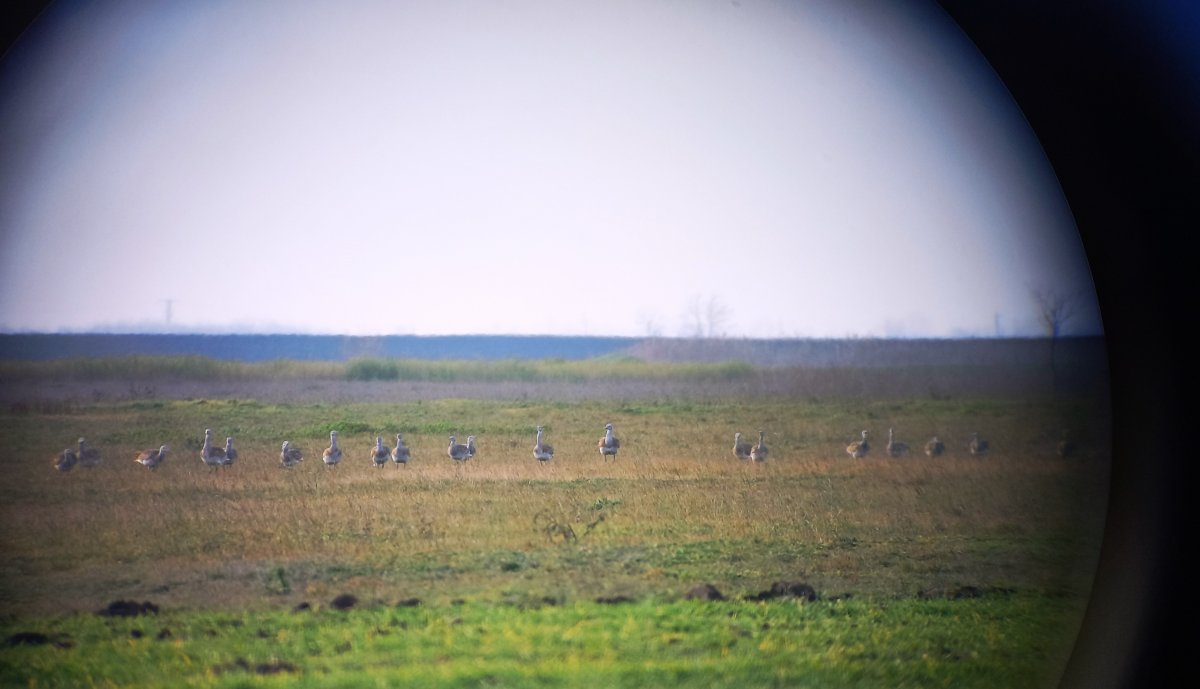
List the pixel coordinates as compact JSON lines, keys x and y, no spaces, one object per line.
{"x":290,"y":456}
{"x":1066,"y":445}
{"x":541,"y":451}
{"x":894,"y":448}
{"x":470,"y":447}
{"x":457,"y":451}
{"x":859,"y":448}
{"x":935,"y":447}
{"x":230,"y":453}
{"x":212,"y":456}
{"x":400,"y":453}
{"x":65,"y":461}
{"x":332,"y":454}
{"x":609,"y":444}
{"x":88,"y":456}
{"x":152,"y":457}
{"x":978,"y":446}
{"x":741,"y":448}
{"x":759,"y":453}
{"x":381,"y":454}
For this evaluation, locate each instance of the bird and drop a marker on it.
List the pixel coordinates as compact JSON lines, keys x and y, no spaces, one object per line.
{"x":65,"y":461}
{"x":978,"y":446}
{"x":859,"y":448}
{"x":896,"y":449}
{"x":290,"y":456}
{"x":457,"y":451}
{"x":741,"y":449}
{"x":541,"y":451}
{"x":759,"y":452}
{"x":152,"y":457}
{"x":400,"y":453}
{"x":470,"y":447}
{"x":381,"y":454}
{"x":212,"y":456}
{"x":609,"y":444}
{"x":1066,"y":444}
{"x":332,"y":454}
{"x":230,"y":453}
{"x":88,"y":456}
{"x":935,"y":447}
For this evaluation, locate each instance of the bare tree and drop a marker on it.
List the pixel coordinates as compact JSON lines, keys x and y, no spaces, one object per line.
{"x":649,"y":324}
{"x":1054,"y":309}
{"x":705,"y":317}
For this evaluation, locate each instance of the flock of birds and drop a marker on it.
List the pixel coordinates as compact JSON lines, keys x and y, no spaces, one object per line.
{"x":217,"y":457}
{"x":934,"y":447}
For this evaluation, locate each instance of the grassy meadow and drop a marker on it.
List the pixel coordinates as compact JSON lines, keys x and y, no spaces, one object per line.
{"x":955,"y":571}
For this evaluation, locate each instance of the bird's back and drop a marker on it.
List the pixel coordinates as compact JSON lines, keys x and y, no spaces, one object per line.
{"x":858,"y":448}
{"x":332,"y":455}
{"x":978,"y":445}
{"x":215,"y":456}
{"x":400,"y":454}
{"x":380,"y":454}
{"x":289,"y":456}
{"x":457,"y":451}
{"x":609,"y":445}
{"x":90,"y":457}
{"x":151,"y":457}
{"x":65,"y":461}
{"x":541,"y":451}
{"x":741,"y":448}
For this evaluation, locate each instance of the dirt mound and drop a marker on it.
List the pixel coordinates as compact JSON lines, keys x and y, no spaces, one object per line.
{"x":27,"y":639}
{"x":785,"y":589}
{"x":128,"y":608}
{"x":37,"y":639}
{"x":344,"y":601}
{"x":614,"y":600}
{"x":963,"y":592}
{"x":703,"y":592}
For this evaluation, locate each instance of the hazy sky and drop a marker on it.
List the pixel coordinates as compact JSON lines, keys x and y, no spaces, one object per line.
{"x":821,"y":168}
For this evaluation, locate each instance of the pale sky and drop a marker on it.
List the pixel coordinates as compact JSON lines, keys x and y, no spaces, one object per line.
{"x":819,"y":169}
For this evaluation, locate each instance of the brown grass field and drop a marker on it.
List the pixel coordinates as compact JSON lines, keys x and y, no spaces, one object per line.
{"x":674,"y":509}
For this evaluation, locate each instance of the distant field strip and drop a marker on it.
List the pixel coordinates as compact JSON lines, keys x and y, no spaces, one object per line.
{"x":520,"y":370}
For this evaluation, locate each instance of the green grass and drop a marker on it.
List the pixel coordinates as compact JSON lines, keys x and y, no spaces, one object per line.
{"x":509,"y":556}
{"x":994,"y":641}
